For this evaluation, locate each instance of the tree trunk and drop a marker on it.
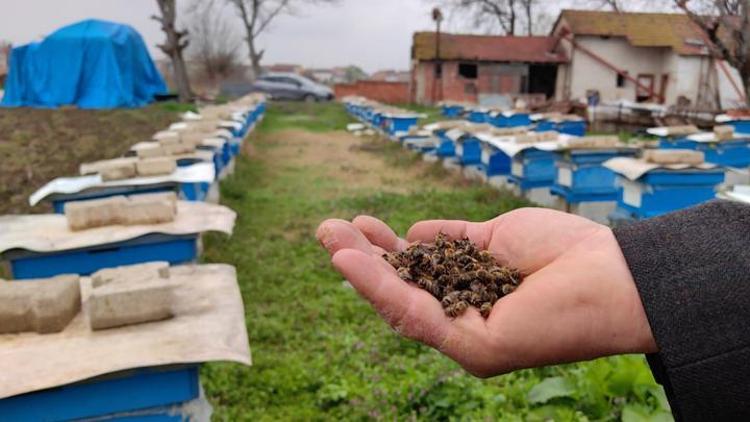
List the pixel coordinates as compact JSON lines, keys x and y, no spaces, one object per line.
{"x":529,"y":17}
{"x":173,"y":48}
{"x":255,"y":57}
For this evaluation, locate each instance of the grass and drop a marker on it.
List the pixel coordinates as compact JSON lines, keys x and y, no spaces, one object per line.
{"x":37,"y":145}
{"x":321,"y":353}
{"x":432,"y":113}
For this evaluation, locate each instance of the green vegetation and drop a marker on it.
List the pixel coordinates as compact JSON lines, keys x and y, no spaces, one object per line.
{"x":321,"y":353}
{"x":177,"y":107}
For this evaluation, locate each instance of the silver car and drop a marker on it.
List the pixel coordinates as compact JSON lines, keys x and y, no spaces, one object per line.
{"x":291,"y":86}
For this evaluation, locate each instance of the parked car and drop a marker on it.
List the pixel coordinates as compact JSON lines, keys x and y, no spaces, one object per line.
{"x":291,"y":86}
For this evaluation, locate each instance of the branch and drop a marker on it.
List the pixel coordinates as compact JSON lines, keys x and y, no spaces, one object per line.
{"x":271,"y":16}
{"x":710,"y":27}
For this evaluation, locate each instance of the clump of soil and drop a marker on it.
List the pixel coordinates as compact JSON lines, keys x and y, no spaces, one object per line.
{"x":456,"y":273}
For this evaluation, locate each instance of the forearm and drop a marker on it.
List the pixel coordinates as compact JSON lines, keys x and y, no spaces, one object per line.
{"x":692,"y":271}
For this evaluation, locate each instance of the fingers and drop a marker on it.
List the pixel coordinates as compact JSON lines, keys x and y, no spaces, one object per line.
{"x":378,"y":233}
{"x":426,"y":231}
{"x":410,"y":311}
{"x":414,"y":313}
{"x":336,"y":234}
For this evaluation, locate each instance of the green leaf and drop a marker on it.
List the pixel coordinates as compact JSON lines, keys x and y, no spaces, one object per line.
{"x":549,"y":389}
{"x":637,"y":413}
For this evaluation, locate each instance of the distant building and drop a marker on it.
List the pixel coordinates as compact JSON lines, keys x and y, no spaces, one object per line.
{"x":330,"y":76}
{"x":284,"y":68}
{"x":591,"y":55}
{"x":484,"y":69}
{"x":641,"y":57}
{"x":391,"y":76}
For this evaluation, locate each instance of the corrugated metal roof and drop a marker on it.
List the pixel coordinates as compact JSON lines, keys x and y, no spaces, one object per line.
{"x":486,"y":48}
{"x":669,"y":30}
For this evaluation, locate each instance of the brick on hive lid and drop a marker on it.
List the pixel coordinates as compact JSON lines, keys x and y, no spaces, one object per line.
{"x":149,"y":209}
{"x":130,"y":302}
{"x":40,"y":305}
{"x":155,"y":150}
{"x":673,"y":156}
{"x":724,"y":132}
{"x":118,"y":172}
{"x":166,"y":136}
{"x":127,"y":273}
{"x":608,"y":141}
{"x":682,"y":130}
{"x":97,"y":166}
{"x":156,"y":166}
{"x":82,"y":215}
{"x":179,"y":149}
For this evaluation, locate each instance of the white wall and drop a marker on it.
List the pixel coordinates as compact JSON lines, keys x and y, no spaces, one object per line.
{"x":587,"y":73}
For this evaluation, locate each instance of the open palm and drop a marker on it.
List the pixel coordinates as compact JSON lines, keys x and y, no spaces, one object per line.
{"x":578,"y":300}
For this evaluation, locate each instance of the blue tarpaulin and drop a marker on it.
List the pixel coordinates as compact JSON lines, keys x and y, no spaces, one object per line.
{"x":90,"y":64}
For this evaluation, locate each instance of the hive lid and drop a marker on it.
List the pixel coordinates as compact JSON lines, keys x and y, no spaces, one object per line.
{"x":209,"y":325}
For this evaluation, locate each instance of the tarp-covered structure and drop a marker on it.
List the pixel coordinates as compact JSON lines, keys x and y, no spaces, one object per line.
{"x":89,"y":64}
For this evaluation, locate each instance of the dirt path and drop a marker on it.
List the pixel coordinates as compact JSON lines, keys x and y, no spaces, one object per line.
{"x":357,"y":163}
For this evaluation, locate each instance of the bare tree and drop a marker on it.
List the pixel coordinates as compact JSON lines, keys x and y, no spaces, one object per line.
{"x":173,"y":47}
{"x":493,"y":15}
{"x":257,"y":16}
{"x":214,"y":43}
{"x":612,"y":4}
{"x":726,"y":24}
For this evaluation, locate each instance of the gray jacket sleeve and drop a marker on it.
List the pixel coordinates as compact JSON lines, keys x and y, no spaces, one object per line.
{"x":692,"y":270}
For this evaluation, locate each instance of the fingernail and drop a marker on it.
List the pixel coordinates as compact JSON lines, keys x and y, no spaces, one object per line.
{"x":326,"y":236}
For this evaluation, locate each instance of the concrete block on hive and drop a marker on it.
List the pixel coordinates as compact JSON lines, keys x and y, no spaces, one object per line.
{"x":166,"y":136}
{"x":44,"y":305}
{"x":127,"y":303}
{"x":154,"y":151}
{"x":179,"y":149}
{"x":148,"y":211}
{"x":156,"y":166}
{"x":130,"y":273}
{"x":98,"y":166}
{"x":594,"y":142}
{"x":118,"y":172}
{"x":682,"y":130}
{"x":82,"y":215}
{"x":724,"y":132}
{"x":674,"y":156}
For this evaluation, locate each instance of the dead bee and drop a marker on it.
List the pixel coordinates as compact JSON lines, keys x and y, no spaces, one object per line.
{"x":404,"y":273}
{"x":456,"y":273}
{"x":456,"y":309}
{"x":508,"y":289}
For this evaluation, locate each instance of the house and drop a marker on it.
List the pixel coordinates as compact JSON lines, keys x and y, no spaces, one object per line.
{"x":330,"y":76}
{"x":641,"y":57}
{"x":390,"y":75}
{"x":284,"y":68}
{"x":483,"y":69}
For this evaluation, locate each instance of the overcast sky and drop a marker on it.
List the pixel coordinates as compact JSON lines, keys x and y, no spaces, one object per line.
{"x":374,"y":34}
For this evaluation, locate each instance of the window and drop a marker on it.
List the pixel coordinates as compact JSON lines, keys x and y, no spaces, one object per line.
{"x":621,"y":79}
{"x":438,"y":70}
{"x":468,"y":70}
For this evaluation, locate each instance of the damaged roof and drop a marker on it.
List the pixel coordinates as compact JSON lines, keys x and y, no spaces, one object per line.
{"x":669,"y":30}
{"x":486,"y":48}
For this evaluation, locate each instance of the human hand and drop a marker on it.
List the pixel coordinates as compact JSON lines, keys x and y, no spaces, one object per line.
{"x":577,"y":302}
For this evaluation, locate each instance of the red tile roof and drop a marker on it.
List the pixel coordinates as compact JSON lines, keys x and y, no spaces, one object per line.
{"x":486,"y":48}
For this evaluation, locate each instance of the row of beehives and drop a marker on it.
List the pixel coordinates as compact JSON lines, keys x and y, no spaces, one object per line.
{"x":598,"y":177}
{"x":108,"y":284}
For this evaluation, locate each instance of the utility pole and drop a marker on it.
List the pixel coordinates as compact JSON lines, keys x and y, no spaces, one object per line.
{"x":437,"y":17}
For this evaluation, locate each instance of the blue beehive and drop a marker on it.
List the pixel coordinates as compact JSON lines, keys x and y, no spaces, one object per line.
{"x":478,"y":115}
{"x":731,"y":153}
{"x":533,"y":168}
{"x":468,"y":150}
{"x":740,"y":125}
{"x":509,"y":119}
{"x":581,"y":177}
{"x":568,"y":127}
{"x":155,"y":389}
{"x":175,"y":249}
{"x":452,"y":110}
{"x":662,"y":191}
{"x":400,"y":123}
{"x":495,"y":161}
